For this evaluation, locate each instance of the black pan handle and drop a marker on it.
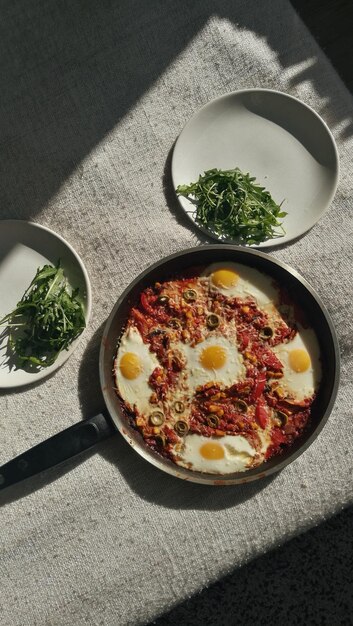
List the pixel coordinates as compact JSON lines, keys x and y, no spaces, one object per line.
{"x":59,"y":448}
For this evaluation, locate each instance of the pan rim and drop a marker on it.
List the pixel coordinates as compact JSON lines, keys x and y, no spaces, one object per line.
{"x":200,"y":477}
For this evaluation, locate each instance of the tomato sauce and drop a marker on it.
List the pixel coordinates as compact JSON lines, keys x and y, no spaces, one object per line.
{"x":178,"y":312}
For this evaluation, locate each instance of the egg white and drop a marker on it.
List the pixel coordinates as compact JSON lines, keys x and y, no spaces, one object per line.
{"x":300,"y":384}
{"x":232,"y":371}
{"x":238,"y":454}
{"x":135,"y":392}
{"x":251,"y":283}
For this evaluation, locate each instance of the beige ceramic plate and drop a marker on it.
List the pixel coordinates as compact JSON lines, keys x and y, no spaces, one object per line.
{"x":24,"y":247}
{"x":278,"y":139}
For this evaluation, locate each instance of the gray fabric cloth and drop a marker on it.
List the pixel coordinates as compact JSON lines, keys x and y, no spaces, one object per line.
{"x":93,"y":96}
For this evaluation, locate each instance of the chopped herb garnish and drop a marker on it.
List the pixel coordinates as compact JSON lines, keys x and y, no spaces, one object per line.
{"x":46,"y":320}
{"x":233,"y":206}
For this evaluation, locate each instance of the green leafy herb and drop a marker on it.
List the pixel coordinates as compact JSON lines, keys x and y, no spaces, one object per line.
{"x":46,"y":320}
{"x":233,"y":206}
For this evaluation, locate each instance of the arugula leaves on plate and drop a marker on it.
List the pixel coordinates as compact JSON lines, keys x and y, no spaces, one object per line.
{"x":233,"y":206}
{"x":46,"y":320}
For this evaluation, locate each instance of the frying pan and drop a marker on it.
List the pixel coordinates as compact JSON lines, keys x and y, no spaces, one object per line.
{"x":87,"y":433}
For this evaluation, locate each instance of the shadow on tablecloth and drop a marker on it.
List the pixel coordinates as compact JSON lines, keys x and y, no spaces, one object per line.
{"x":74,"y":72}
{"x":306,"y":581}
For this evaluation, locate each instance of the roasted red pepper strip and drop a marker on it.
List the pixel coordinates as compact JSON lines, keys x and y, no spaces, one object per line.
{"x":146,"y":304}
{"x":261,"y":413}
{"x":271,"y":361}
{"x":259,"y":385}
{"x":244,"y":339}
{"x":277,"y":438}
{"x":142,"y":322}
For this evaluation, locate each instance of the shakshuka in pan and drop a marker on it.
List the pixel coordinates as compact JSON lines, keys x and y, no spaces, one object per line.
{"x":218,"y":369}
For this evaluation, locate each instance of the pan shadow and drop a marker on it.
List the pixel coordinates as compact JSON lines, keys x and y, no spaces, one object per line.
{"x":91,"y":400}
{"x":89,"y":388}
{"x":153,"y":485}
{"x":35,"y":483}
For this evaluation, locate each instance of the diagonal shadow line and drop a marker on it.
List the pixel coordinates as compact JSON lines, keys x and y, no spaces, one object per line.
{"x":74,"y":71}
{"x":70,"y":71}
{"x":281,"y":579}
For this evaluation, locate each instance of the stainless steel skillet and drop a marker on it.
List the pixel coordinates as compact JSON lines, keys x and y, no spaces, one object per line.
{"x":87,"y":433}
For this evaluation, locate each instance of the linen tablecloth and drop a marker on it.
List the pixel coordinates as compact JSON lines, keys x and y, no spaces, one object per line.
{"x":93,"y":96}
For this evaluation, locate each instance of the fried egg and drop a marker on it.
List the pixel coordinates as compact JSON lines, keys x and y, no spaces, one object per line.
{"x":215,"y":455}
{"x":301,"y":364}
{"x":132,"y":368}
{"x":216,"y":359}
{"x":235,"y":280}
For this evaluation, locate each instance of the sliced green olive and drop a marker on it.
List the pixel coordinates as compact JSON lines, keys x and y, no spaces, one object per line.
{"x":163,"y":299}
{"x":266,"y":332}
{"x":156,"y":418}
{"x":181,"y":427}
{"x":212,"y":420}
{"x":241,"y":406}
{"x":174,"y":323}
{"x":156,"y":331}
{"x":179,"y":406}
{"x":190,"y":295}
{"x":212,"y":320}
{"x":160,"y":440}
{"x":281,"y":418}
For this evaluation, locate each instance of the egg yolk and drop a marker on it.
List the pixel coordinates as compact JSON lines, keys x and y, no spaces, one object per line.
{"x":299,"y":360}
{"x":213,"y":357}
{"x":224,"y":278}
{"x":130,"y":365}
{"x":212,"y":451}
